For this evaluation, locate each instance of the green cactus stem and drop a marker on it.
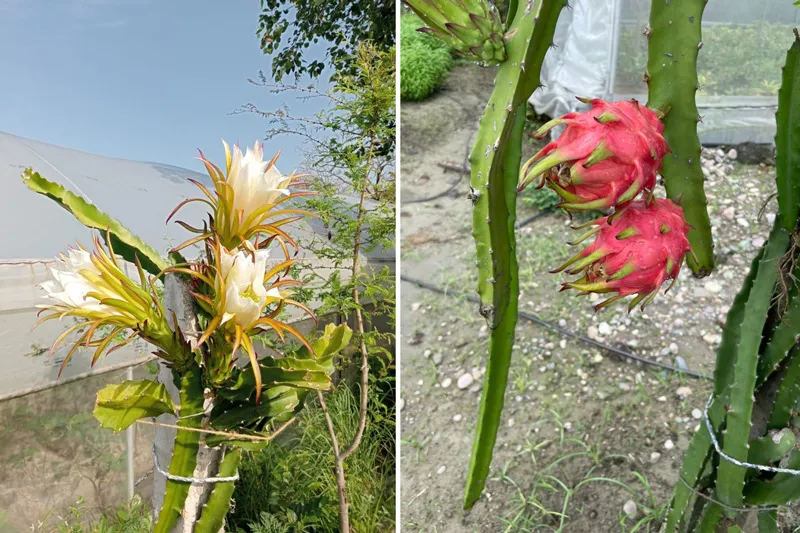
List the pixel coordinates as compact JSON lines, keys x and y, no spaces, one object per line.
{"x":782,"y":340}
{"x":700,"y":448}
{"x":502,"y":336}
{"x":779,"y":490}
{"x":495,"y":161}
{"x":219,"y":501}
{"x":759,"y":337}
{"x":184,"y":455}
{"x":730,"y":477}
{"x":787,"y":139}
{"x":788,"y":393}
{"x":770,"y":448}
{"x":674,"y":42}
{"x":768,"y":522}
{"x":711,"y":517}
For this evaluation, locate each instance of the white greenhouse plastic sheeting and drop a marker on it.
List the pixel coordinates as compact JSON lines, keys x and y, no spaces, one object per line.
{"x":35,"y":230}
{"x":587,"y":62}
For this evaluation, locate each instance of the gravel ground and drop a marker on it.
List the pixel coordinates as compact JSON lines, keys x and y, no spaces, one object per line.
{"x":589,"y":441}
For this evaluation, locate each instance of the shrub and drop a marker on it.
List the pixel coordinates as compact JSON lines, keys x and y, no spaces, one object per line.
{"x":424,"y":60}
{"x":542,"y":199}
{"x":293,"y":484}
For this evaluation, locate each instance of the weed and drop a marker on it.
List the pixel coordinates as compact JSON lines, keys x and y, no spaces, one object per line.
{"x":133,"y":517}
{"x":550,"y":501}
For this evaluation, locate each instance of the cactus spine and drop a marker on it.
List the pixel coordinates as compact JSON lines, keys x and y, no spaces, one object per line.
{"x":674,"y":41}
{"x":495,"y":162}
{"x":759,"y":347}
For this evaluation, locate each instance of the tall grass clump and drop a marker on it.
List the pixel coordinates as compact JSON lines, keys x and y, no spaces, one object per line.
{"x":291,"y":486}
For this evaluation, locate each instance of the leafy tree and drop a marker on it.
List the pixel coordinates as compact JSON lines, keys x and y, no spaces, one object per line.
{"x":351,"y":156}
{"x":288,"y":27}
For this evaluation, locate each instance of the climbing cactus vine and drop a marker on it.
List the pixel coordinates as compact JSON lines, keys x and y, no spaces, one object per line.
{"x":744,"y":460}
{"x":230,"y":397}
{"x":494,"y":172}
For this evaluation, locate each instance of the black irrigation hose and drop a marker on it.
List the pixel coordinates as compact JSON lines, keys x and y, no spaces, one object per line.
{"x":529,"y":316}
{"x":455,"y":184}
{"x":437,"y":195}
{"x":531,"y":218}
{"x":567,"y":333}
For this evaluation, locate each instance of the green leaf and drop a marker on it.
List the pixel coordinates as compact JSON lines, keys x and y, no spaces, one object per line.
{"x":333,"y":340}
{"x":125,"y":243}
{"x":119,"y":406}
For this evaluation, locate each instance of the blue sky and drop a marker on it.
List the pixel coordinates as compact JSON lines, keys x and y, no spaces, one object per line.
{"x":139,"y":79}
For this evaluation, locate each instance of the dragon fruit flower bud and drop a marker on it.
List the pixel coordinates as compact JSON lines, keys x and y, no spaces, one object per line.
{"x":605,"y":157}
{"x":634,"y":252}
{"x":470,"y":27}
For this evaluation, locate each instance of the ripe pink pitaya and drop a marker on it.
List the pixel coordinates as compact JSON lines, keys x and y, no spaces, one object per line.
{"x":634,"y":252}
{"x":605,"y":157}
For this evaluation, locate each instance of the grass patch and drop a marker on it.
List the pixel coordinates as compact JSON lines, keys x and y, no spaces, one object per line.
{"x":548,"y":503}
{"x":291,"y":487}
{"x":133,"y":517}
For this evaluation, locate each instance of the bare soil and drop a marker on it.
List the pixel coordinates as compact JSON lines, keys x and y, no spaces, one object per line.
{"x":583,"y":431}
{"x":53,"y":452}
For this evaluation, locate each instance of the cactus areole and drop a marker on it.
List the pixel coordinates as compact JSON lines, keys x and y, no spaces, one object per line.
{"x":634,"y":252}
{"x":605,"y":157}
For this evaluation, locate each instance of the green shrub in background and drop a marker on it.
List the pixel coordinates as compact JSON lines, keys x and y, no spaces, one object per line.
{"x":290,"y":486}
{"x":735,"y":60}
{"x":424,"y":61}
{"x":542,"y":199}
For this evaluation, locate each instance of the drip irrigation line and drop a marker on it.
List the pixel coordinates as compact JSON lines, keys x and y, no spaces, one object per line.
{"x":525,"y":222}
{"x":455,"y":184}
{"x":565,"y":332}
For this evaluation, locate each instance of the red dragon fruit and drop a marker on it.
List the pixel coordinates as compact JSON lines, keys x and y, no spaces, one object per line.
{"x":605,"y":157}
{"x":635,"y":252}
